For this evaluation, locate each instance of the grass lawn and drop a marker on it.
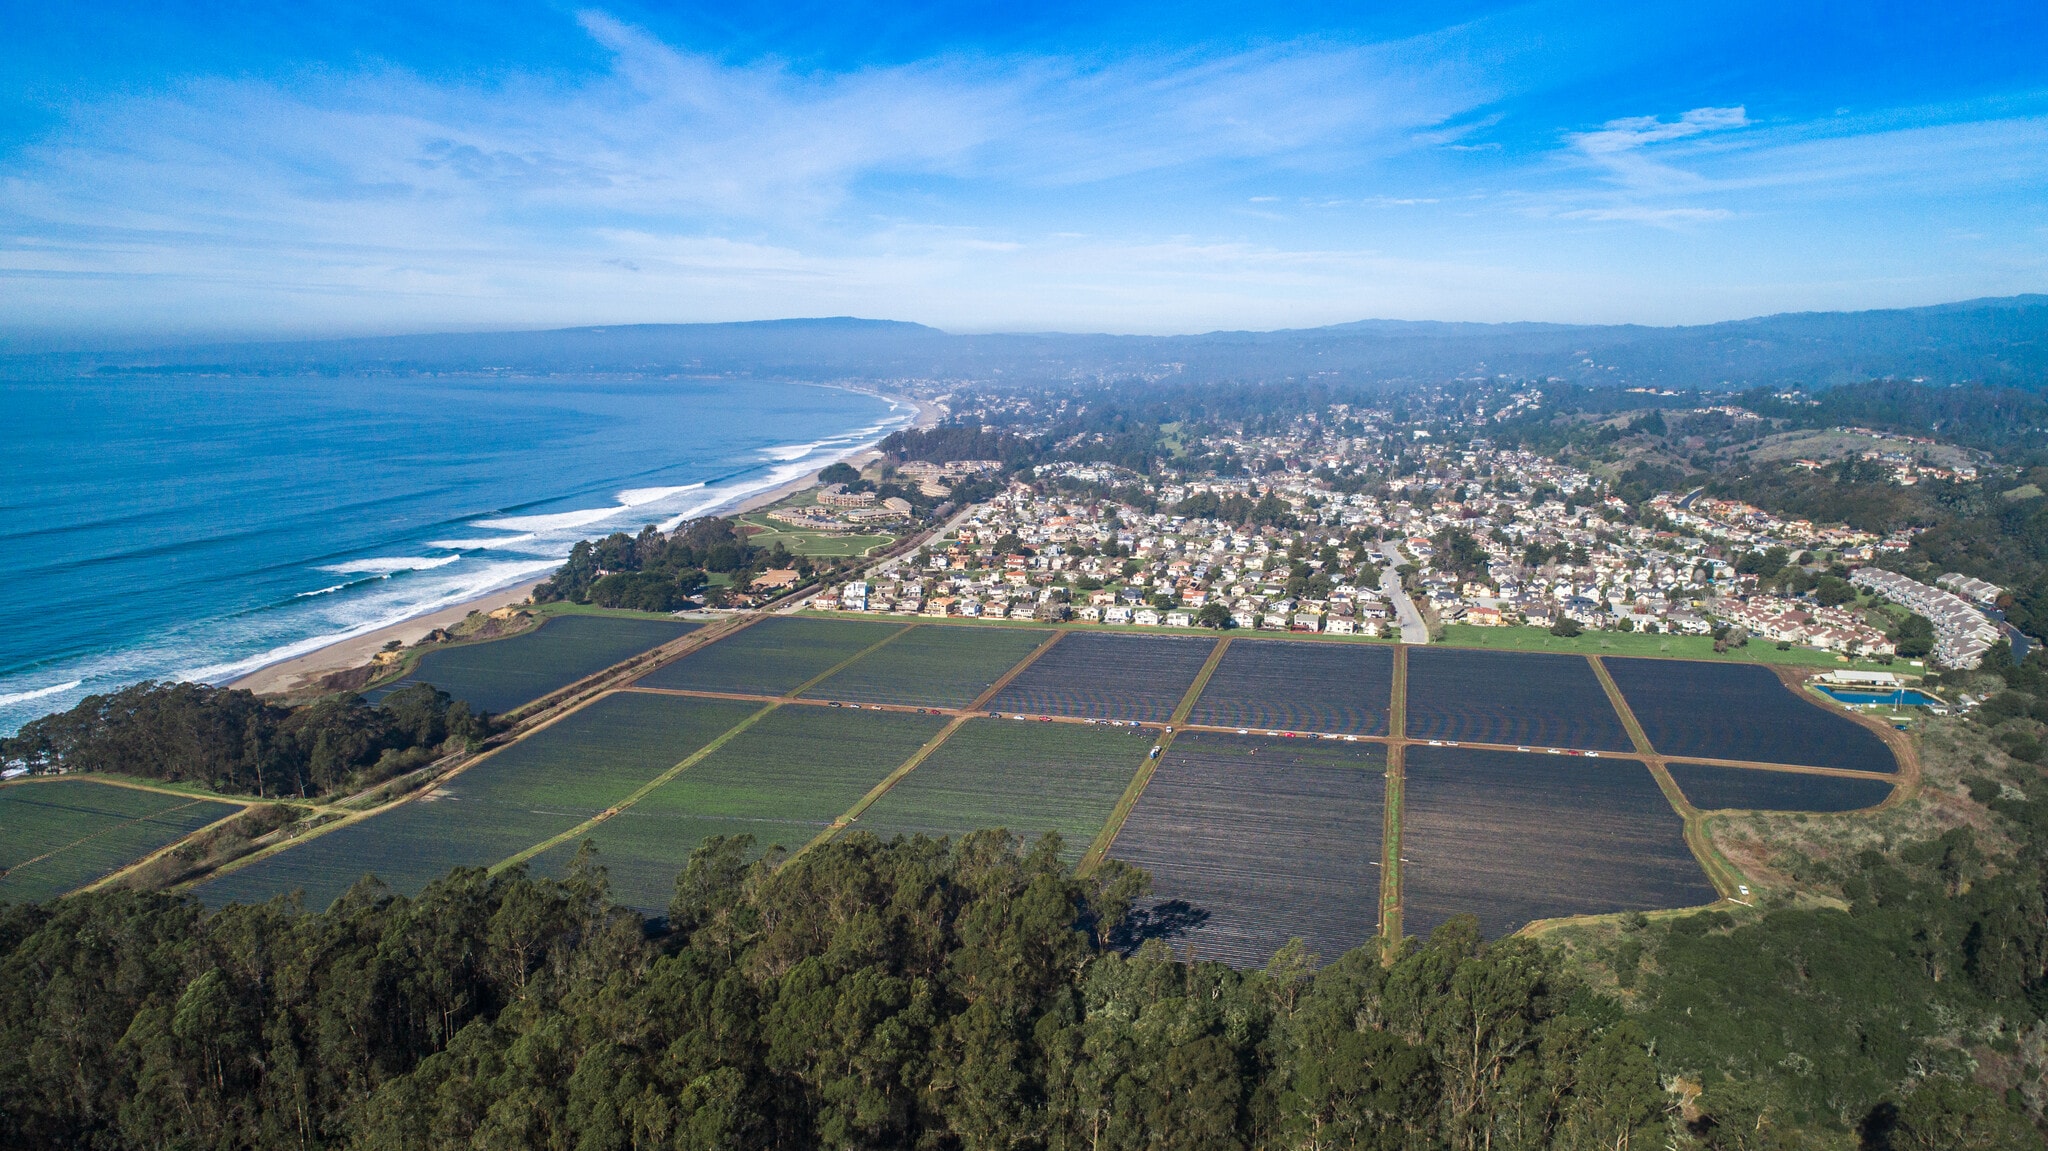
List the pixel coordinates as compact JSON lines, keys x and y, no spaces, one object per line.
{"x":1027,"y":776}
{"x":1636,"y":643}
{"x":782,"y":781}
{"x":60,"y":834}
{"x":933,"y":666}
{"x":803,"y":542}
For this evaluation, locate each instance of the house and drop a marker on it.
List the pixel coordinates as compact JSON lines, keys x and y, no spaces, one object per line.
{"x":1179,"y":619}
{"x":1089,"y":613}
{"x":1119,"y":613}
{"x":1244,"y":617}
{"x":1307,"y":621}
{"x":1483,"y":616}
{"x":1341,"y":625}
{"x":853,"y":597}
{"x":1145,"y":617}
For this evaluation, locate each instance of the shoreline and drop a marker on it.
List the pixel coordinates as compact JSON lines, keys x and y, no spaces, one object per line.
{"x":289,"y":675}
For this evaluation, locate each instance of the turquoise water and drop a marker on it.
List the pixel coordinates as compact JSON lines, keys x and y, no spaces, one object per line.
{"x":1905,"y":697}
{"x":201,"y":528}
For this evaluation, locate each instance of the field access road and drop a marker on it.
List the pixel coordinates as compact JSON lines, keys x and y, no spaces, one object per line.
{"x":1413,"y":630}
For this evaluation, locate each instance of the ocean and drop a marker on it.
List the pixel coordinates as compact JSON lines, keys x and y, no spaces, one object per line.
{"x":199,"y":528}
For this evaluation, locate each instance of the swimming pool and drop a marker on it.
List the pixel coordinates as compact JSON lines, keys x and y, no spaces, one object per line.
{"x":1901,"y":697}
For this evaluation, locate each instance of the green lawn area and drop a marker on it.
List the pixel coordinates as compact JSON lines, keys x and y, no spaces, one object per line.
{"x":774,"y":656}
{"x":1029,"y":777}
{"x":782,"y":781}
{"x":503,"y":674}
{"x":933,"y":666}
{"x":61,"y":834}
{"x":802,"y":542}
{"x":1635,"y":643}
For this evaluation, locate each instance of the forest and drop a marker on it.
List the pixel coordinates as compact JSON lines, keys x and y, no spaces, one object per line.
{"x":237,"y":743}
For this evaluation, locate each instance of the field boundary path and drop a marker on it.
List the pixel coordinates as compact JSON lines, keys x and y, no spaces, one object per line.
{"x":1391,"y":800}
{"x":1114,"y":825}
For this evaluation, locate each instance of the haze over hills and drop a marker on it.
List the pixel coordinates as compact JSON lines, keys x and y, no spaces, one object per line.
{"x":2000,"y":341}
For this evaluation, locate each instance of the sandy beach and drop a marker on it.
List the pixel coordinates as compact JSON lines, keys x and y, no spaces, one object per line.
{"x":292,"y":674}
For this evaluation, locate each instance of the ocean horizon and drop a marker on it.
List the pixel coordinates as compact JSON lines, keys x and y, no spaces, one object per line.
{"x":182,"y":528}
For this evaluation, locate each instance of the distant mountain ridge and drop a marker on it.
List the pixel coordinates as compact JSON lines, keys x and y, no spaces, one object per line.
{"x":1999,"y":341}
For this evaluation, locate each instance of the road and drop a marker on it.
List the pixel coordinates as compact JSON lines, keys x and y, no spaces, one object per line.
{"x":1413,"y":630}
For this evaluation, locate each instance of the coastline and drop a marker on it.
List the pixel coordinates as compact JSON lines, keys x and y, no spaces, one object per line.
{"x":291,"y":674}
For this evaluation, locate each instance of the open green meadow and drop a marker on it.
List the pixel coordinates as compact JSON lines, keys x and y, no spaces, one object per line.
{"x":60,"y":834}
{"x":933,"y":666}
{"x":783,"y":781}
{"x":801,"y":542}
{"x":1637,"y":643}
{"x":1028,"y":776}
{"x":500,"y":675}
{"x":773,"y":657}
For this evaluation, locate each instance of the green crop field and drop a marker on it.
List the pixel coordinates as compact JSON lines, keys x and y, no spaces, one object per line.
{"x":772,"y":657}
{"x":1027,"y":776}
{"x":934,"y":666}
{"x":500,"y":675}
{"x":782,"y":781}
{"x":533,"y":790}
{"x":57,"y":835}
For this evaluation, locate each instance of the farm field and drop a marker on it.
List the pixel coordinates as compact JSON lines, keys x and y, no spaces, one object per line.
{"x":406,"y":847}
{"x":539,"y":787}
{"x":500,"y":675}
{"x":1510,"y":697}
{"x":61,"y":834}
{"x":933,"y":666}
{"x":1708,"y":786}
{"x":1514,"y":837}
{"x":1029,"y":777}
{"x":1733,"y":711}
{"x":782,"y":781}
{"x":1094,"y":675}
{"x":1252,"y":841}
{"x":773,"y":657}
{"x":1342,"y":688}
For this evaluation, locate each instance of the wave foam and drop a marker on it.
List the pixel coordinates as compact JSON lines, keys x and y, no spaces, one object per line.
{"x":38,"y":693}
{"x":490,"y":544}
{"x":391,"y":565}
{"x":584,"y":517}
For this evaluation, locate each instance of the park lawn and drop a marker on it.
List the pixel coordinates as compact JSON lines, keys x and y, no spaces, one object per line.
{"x":61,"y":834}
{"x":782,"y":781}
{"x":1027,"y":776}
{"x":773,"y":657}
{"x":1636,"y":643}
{"x":933,"y":666}
{"x":802,"y":542}
{"x":501,"y":675}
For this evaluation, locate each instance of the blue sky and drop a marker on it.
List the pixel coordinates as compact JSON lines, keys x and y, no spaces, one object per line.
{"x":244,"y":169}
